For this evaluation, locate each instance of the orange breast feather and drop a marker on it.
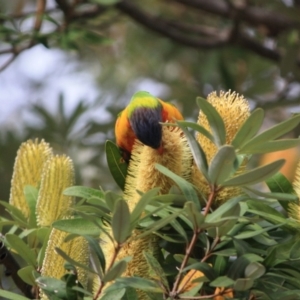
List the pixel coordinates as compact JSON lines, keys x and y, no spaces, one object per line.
{"x":170,"y":112}
{"x":125,"y":137}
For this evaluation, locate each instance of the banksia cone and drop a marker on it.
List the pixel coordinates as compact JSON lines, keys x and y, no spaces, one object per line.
{"x":234,"y":110}
{"x":223,"y":294}
{"x":52,"y":204}
{"x":28,"y":168}
{"x":143,"y":176}
{"x":294,"y":208}
{"x":53,"y":264}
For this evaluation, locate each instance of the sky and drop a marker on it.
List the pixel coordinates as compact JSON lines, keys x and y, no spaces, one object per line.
{"x":37,"y":76}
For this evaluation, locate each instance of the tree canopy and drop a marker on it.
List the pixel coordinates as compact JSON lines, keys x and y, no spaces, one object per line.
{"x":185,"y":48}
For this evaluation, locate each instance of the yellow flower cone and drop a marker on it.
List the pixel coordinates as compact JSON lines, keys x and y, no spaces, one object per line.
{"x":143,"y":176}
{"x":186,"y":283}
{"x":53,"y":264}
{"x":52,"y":204}
{"x":234,"y":110}
{"x":294,"y":208}
{"x":28,"y":168}
{"x":225,"y":293}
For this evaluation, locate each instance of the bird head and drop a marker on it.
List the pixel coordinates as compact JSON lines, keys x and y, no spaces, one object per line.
{"x":144,"y":114}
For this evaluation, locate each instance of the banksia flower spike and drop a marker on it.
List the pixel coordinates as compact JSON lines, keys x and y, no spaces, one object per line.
{"x":234,"y":110}
{"x":294,"y":208}
{"x":28,"y":168}
{"x":51,"y":203}
{"x":143,"y":176}
{"x":53,"y":264}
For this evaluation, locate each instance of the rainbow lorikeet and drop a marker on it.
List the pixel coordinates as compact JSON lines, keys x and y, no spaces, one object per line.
{"x":141,"y":120}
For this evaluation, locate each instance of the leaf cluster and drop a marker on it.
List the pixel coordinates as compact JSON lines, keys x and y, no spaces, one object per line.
{"x":243,"y":248}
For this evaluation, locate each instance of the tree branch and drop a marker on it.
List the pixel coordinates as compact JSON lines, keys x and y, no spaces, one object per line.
{"x":253,"y":15}
{"x":173,"y":32}
{"x":162,"y":27}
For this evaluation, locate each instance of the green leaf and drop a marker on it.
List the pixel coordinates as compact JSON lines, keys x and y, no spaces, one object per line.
{"x":198,"y":128}
{"x":250,"y":234}
{"x":78,"y":226}
{"x":116,"y":163}
{"x":215,"y":121}
{"x":15,"y":213}
{"x":256,"y":175}
{"x":94,"y":245}
{"x":158,"y":225}
{"x":271,"y":146}
{"x":255,"y":270}
{"x":223,"y":209}
{"x":111,"y":199}
{"x":222,"y":165}
{"x":273,"y":132}
{"x":26,"y":275}
{"x":157,"y":270}
{"x":205,"y":268}
{"x":177,"y":226}
{"x":270,"y":214}
{"x":229,"y":224}
{"x":116,"y":271}
{"x":284,"y":197}
{"x":220,"y":264}
{"x":225,"y":252}
{"x":131,"y":294}
{"x":295,"y":251}
{"x":140,"y":283}
{"x":114,"y":295}
{"x":197,"y":151}
{"x":186,"y":188}
{"x":222,"y":281}
{"x":16,"y":243}
{"x":141,"y":204}
{"x":120,"y":222}
{"x":250,"y":128}
{"x":31,"y":195}
{"x":46,"y":233}
{"x":194,"y":215}
{"x":278,"y":183}
{"x":106,"y":2}
{"x":54,"y":288}
{"x":11,"y":296}
{"x":243,"y":284}
{"x":83,"y":192}
{"x":71,"y":261}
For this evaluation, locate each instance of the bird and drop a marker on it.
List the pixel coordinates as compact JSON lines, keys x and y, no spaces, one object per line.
{"x":141,"y":120}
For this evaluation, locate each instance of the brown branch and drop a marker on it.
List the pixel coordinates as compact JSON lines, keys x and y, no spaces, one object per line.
{"x":160,"y":26}
{"x":247,"y":42}
{"x":40,"y":10}
{"x":8,"y":62}
{"x":64,"y":6}
{"x":256,"y":16}
{"x":188,"y":252}
{"x":164,"y":28}
{"x":199,"y":29}
{"x":117,"y":249}
{"x":90,"y":12}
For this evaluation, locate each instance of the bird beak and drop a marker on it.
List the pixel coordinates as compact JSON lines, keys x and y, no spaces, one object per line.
{"x":160,"y":150}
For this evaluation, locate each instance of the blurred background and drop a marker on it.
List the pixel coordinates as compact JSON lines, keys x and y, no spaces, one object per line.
{"x":69,"y":66}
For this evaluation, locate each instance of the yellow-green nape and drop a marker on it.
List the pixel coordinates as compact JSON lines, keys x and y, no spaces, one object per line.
{"x":142,"y":99}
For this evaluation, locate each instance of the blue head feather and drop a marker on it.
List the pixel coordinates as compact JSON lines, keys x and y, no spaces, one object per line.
{"x":144,"y":122}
